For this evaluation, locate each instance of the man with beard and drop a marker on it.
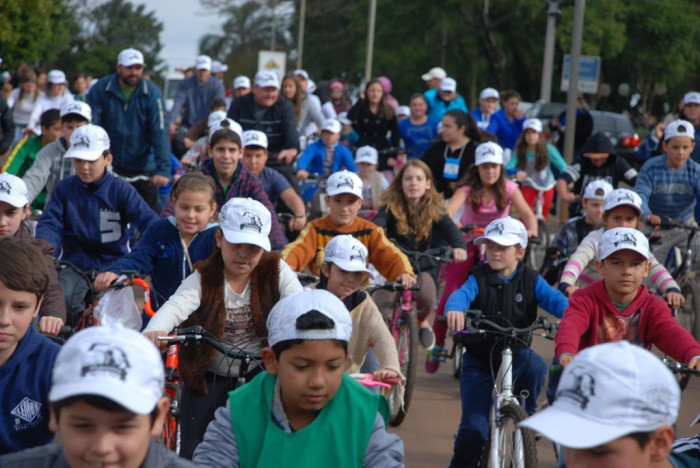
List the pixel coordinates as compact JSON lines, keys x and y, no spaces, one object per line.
{"x":131,"y":110}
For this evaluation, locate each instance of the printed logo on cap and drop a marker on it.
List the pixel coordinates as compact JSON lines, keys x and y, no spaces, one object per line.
{"x":581,"y":390}
{"x":109,"y":359}
{"x":599,"y":192}
{"x":488,"y":150}
{"x":681,"y":128}
{"x":251,"y":222}
{"x":74,"y":107}
{"x":625,"y":196}
{"x":81,"y":140}
{"x":357,"y":254}
{"x":624,"y":238}
{"x":496,"y":228}
{"x":5,"y":187}
{"x":345,"y":181}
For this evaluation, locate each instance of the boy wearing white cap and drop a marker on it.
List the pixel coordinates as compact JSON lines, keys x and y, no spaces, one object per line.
{"x":373,"y":182}
{"x":326,"y":156}
{"x":344,"y":199}
{"x":503,"y":287}
{"x":86,"y":219}
{"x":195,"y":94}
{"x":56,"y":96}
{"x":619,"y":308}
{"x":615,"y":408}
{"x":444,"y":98}
{"x":241,"y":86}
{"x":107,"y":404}
{"x":488,"y":103}
{"x":230,"y":295}
{"x":303,"y":405}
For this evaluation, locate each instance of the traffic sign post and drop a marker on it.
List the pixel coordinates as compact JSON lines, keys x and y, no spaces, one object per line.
{"x":588,"y":76}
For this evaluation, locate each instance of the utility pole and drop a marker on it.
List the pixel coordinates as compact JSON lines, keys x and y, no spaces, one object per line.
{"x":300,"y":38}
{"x":553,"y":13}
{"x":370,"y":39}
{"x":274,"y":26}
{"x":572,"y":95}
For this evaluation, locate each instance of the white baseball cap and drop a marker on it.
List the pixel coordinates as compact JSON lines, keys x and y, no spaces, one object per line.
{"x":343,"y":118}
{"x":489,"y":93}
{"x":203,"y":62}
{"x":246,"y":221}
{"x":241,"y":82}
{"x":533,"y":124}
{"x":218,"y":67}
{"x":403,"y":110}
{"x":13,"y":190}
{"x":621,"y":197}
{"x":504,"y":231}
{"x":267,"y":79}
{"x":229,"y":124}
{"x":679,"y":128}
{"x":332,"y":125}
{"x":302,"y":73}
{"x":88,"y":143}
{"x":56,"y":77}
{"x":617,"y":239}
{"x":597,"y":190}
{"x":344,"y":182}
{"x":130,"y":57}
{"x":436,"y":73}
{"x":215,"y":117}
{"x":488,"y":152}
{"x":366,"y":154}
{"x":112,"y":362}
{"x":254,"y":138}
{"x":607,"y":392}
{"x":448,"y":85}
{"x":348,"y":254}
{"x":282,"y":320}
{"x":77,"y":107}
{"x":693,"y":97}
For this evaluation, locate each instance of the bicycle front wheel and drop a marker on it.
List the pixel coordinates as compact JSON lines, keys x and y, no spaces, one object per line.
{"x":407,"y":347}
{"x":171,"y":432}
{"x":688,"y":315}
{"x":457,"y":360}
{"x":515,"y":446}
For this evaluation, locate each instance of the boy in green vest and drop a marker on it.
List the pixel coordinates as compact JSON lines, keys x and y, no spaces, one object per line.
{"x":304,"y":411}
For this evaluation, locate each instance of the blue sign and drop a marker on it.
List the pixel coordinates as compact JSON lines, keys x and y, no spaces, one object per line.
{"x":588,"y":76}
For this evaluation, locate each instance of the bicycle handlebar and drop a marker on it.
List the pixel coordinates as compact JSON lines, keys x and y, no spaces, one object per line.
{"x":132,"y":279}
{"x":393,"y":286}
{"x":307,"y":278}
{"x":668,"y":224}
{"x":475,"y":317}
{"x":678,"y":368}
{"x":197,"y":335}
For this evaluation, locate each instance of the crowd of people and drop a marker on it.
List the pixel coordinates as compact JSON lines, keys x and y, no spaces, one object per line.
{"x":106,"y":180}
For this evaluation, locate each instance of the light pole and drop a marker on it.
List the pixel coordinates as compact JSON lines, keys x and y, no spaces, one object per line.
{"x":572,"y":95}
{"x":370,"y":39}
{"x":300,"y":39}
{"x":548,"y":63}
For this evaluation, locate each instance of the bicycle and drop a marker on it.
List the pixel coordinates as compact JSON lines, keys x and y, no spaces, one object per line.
{"x":538,"y":254}
{"x":312,"y":191}
{"x":506,"y":444}
{"x":682,"y":371}
{"x":173,"y":381}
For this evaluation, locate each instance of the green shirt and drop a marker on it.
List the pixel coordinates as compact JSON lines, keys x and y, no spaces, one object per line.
{"x":127,"y":92}
{"x":21,"y":159}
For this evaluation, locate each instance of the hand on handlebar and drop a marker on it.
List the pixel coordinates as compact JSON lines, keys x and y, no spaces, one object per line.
{"x":654,"y":220}
{"x":455,"y":320}
{"x":103,"y":280}
{"x":153,"y":338}
{"x":565,"y":359}
{"x":674,"y":299}
{"x":407,"y":280}
{"x":384,"y":375}
{"x":297,"y":223}
{"x":694,"y":364}
{"x":50,"y":325}
{"x":459,"y":255}
{"x":302,"y":174}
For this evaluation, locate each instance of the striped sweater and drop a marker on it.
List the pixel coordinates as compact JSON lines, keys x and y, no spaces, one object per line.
{"x":581,"y":267}
{"x":669,"y":193}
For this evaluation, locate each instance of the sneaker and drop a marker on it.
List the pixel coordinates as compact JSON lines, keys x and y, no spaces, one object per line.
{"x":432,"y":362}
{"x":426,"y":336}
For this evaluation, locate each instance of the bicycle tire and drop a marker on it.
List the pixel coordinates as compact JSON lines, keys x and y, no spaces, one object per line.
{"x":407,"y":348}
{"x":688,"y":315}
{"x":172,"y":438}
{"x":457,"y":355}
{"x":538,"y":252}
{"x":510,"y":415}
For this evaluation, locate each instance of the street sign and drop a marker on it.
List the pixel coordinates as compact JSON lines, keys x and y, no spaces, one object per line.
{"x":588,"y":76}
{"x":269,"y":60}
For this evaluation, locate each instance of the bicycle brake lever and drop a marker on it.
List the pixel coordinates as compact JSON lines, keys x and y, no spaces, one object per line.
{"x":195,"y":330}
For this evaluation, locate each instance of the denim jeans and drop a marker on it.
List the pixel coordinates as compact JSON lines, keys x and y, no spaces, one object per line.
{"x":476,"y":387}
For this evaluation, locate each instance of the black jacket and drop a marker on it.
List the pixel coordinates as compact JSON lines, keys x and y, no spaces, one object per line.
{"x":7,"y":126}
{"x":434,"y":157}
{"x":373,"y":130}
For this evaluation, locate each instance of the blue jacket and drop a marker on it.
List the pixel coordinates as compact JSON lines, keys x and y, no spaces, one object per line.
{"x":437,"y":107}
{"x":25,"y":380}
{"x":138,"y":129}
{"x":508,"y":132}
{"x":161,"y":255}
{"x":314,"y":155}
{"x":87,"y":223}
{"x":490,"y":125}
{"x":196,"y":99}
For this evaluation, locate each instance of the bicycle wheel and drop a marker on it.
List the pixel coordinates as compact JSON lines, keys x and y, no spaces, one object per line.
{"x":688,"y":314}
{"x":171,"y":433}
{"x":538,"y":251}
{"x":457,"y":353}
{"x":516,"y":446}
{"x":407,"y":347}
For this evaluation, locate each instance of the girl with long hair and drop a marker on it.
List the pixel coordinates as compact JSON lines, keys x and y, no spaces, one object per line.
{"x":21,"y":100}
{"x":305,"y":110}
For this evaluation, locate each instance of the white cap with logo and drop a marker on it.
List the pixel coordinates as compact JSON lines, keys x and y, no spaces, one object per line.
{"x":692,"y":97}
{"x":13,"y":190}
{"x":203,"y":62}
{"x":435,"y":73}
{"x":344,"y":182}
{"x":282,"y":320}
{"x":56,"y":77}
{"x":254,"y":138}
{"x":504,"y":231}
{"x":488,"y":152}
{"x":302,"y":73}
{"x":533,"y":124}
{"x":241,"y":82}
{"x":267,"y":79}
{"x":215,"y":117}
{"x":489,"y":93}
{"x":77,"y":107}
{"x":228,"y":124}
{"x":621,"y":197}
{"x":609,"y":391}
{"x":617,"y":239}
{"x":403,"y":110}
{"x":246,"y":221}
{"x":112,"y":362}
{"x":597,"y":190}
{"x":332,"y":125}
{"x":348,"y":254}
{"x":366,"y":154}
{"x":448,"y":85}
{"x":88,"y":143}
{"x":218,"y":67}
{"x":679,"y":128}
{"x":130,"y":57}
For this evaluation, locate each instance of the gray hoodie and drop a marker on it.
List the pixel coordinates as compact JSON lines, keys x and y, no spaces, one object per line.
{"x":49,"y":169}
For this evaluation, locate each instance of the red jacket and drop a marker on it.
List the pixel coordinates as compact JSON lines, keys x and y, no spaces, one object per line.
{"x":592,"y":318}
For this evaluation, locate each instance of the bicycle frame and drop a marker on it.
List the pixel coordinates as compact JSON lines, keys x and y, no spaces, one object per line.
{"x":405,"y":306}
{"x":501,"y":396}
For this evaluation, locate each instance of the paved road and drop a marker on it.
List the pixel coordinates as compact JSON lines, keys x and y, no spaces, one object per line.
{"x":429,"y":428}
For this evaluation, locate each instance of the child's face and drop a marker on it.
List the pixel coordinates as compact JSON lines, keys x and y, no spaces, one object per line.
{"x":450,"y":131}
{"x":340,"y":282}
{"x":330,"y":139}
{"x":489,"y":173}
{"x":503,"y":259}
{"x":68,"y":128}
{"x":91,"y":171}
{"x":56,"y":89}
{"x":375,"y":93}
{"x":414,"y":184}
{"x":488,"y":106}
{"x":310,"y":374}
{"x":226,"y":154}
{"x":239,"y":259}
{"x":622,"y":216}
{"x":624,"y":452}
{"x":692,"y":111}
{"x":623,"y":271}
{"x":511,"y":106}
{"x":594,"y":211}
{"x":11,"y":218}
{"x":94,"y":437}
{"x":193,"y":211}
{"x":344,"y":208}
{"x":254,"y":159}
{"x":678,"y":150}
{"x":531,"y":137}
{"x":17,"y":310}
{"x":365,"y":170}
{"x":597,"y":159}
{"x":52,"y":132}
{"x":418,"y":108}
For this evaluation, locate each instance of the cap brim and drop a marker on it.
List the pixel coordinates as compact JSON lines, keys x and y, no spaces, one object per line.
{"x":130,"y":397}
{"x":365,"y":160}
{"x":339,"y":191}
{"x":237,"y":237}
{"x":84,"y":155}
{"x":500,"y":240}
{"x":555,"y":424}
{"x":17,"y":202}
{"x":427,"y":77}
{"x":631,"y":205}
{"x":490,"y":159}
{"x":646,"y":254}
{"x":349,"y":266}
